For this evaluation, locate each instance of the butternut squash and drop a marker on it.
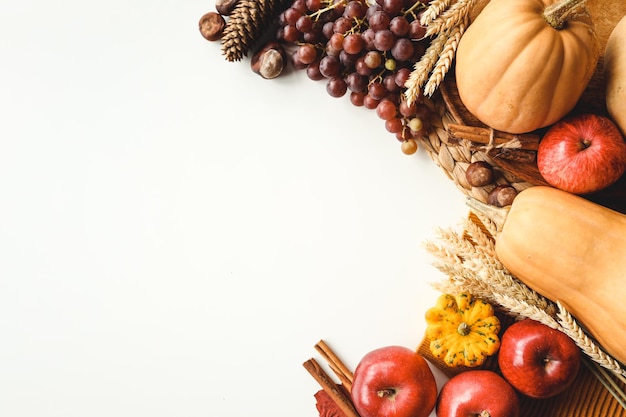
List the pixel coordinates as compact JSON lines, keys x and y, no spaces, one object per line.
{"x":574,"y":251}
{"x":615,"y":74}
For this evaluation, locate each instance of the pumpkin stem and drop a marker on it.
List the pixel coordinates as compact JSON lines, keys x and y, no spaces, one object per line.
{"x":558,"y":13}
{"x":463,"y":329}
{"x":495,"y":214}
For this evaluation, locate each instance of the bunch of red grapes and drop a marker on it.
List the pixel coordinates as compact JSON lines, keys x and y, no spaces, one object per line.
{"x":365,"y":49}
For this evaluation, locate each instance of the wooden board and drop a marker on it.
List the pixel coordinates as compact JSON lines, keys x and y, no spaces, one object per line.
{"x":605,"y":15}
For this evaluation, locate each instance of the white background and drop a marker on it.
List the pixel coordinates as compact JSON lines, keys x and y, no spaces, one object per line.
{"x":176,"y":233}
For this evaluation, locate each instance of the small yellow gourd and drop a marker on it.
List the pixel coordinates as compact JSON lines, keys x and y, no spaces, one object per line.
{"x":463,"y":330}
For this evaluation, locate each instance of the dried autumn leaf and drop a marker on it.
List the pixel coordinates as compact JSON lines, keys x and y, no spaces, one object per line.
{"x":326,"y":406}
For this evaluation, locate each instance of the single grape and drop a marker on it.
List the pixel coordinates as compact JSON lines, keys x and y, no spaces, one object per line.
{"x":370,"y":102}
{"x":347,"y":60}
{"x":357,"y":98}
{"x":373,"y":59}
{"x":361,"y":67}
{"x":290,"y":34}
{"x":342,"y":25}
{"x":399,"y":26}
{"x":295,"y":61}
{"x":336,"y":41}
{"x":377,"y":90}
{"x":355,"y":9}
{"x":379,"y":20}
{"x":313,"y":71}
{"x":292,"y":15}
{"x":336,"y":87}
{"x":328,"y":29}
{"x":373,"y":8}
{"x":368,"y":39}
{"x":402,"y":49}
{"x":389,"y":81}
{"x":416,"y":30}
{"x":406,"y":109}
{"x":384,"y":40}
{"x":304,"y":23}
{"x":300,"y":5}
{"x":409,"y":146}
{"x":415,"y":124}
{"x":394,"y":125}
{"x":386,"y":109}
{"x":307,"y":53}
{"x":313,"y":36}
{"x":339,"y":6}
{"x":353,"y":43}
{"x":393,"y":7}
{"x":330,"y":66}
{"x":402,"y":75}
{"x":357,"y":83}
{"x":313,"y":5}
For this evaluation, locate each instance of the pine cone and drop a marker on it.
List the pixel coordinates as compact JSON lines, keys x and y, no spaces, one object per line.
{"x":247,"y":23}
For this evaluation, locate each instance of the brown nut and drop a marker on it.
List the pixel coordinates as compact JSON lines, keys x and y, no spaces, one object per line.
{"x":479,"y":174}
{"x":225,"y":7}
{"x":212,"y":26}
{"x":502,"y":196}
{"x":269,"y":61}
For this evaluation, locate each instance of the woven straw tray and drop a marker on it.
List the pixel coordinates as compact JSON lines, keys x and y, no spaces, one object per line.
{"x":605,"y":15}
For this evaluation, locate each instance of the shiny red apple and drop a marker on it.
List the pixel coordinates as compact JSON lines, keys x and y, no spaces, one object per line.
{"x":582,"y":154}
{"x":477,"y":393}
{"x":393,"y":381}
{"x":536,"y":360}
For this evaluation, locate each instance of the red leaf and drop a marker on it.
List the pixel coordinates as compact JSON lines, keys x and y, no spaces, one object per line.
{"x":326,"y":406}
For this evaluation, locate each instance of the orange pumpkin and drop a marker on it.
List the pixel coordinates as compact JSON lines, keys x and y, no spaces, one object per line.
{"x":523,"y":64}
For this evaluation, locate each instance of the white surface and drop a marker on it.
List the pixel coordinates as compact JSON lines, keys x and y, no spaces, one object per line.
{"x":176,"y":233}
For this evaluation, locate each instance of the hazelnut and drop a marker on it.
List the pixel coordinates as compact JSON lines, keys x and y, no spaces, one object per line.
{"x":269,"y":61}
{"x":502,"y":196}
{"x":212,"y":26}
{"x":479,"y":174}
{"x":225,"y":7}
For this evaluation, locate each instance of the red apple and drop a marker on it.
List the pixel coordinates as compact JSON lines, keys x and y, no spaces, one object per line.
{"x":477,"y":393}
{"x":536,"y":360}
{"x":582,"y":154}
{"x":393,"y":381}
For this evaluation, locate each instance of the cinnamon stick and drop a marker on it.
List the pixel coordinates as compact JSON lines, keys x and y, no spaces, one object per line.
{"x":494,"y":138}
{"x":336,"y":365}
{"x":332,"y":389}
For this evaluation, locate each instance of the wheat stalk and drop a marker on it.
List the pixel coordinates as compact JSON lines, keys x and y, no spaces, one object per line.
{"x":455,"y":15}
{"x":422,"y":68}
{"x":442,"y":66}
{"x":434,"y":9}
{"x":446,"y":21}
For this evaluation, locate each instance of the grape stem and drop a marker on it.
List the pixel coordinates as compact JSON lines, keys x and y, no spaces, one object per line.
{"x":331,"y":6}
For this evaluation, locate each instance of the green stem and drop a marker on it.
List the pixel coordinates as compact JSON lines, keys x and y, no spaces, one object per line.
{"x":558,"y":13}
